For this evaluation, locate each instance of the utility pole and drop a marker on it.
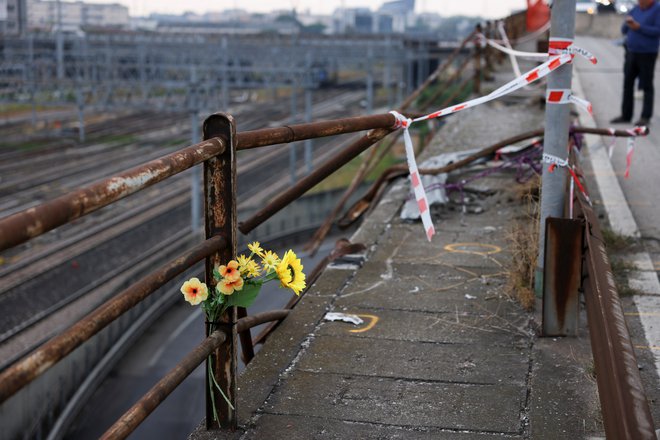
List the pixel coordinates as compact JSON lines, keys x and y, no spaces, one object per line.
{"x":553,"y":189}
{"x":59,"y":43}
{"x":293,"y":145}
{"x":308,"y":112}
{"x":196,"y":171}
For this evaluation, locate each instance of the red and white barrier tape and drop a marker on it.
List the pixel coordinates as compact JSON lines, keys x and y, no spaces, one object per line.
{"x":556,"y":46}
{"x":402,"y":122}
{"x":630,"y":147}
{"x":565,"y":96}
{"x":555,"y":162}
{"x":610,"y":147}
{"x":420,"y":194}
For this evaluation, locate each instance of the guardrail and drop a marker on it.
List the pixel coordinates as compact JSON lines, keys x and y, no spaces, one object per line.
{"x":576,"y":259}
{"x":217,"y":153}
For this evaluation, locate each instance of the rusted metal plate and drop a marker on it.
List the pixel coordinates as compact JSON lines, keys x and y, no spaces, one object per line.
{"x":562,"y":276}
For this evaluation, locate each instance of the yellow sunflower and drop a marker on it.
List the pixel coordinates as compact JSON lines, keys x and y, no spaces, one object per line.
{"x":290,"y":272}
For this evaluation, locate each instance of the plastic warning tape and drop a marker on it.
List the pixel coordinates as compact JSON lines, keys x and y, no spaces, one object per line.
{"x":565,"y":96}
{"x":402,"y":122}
{"x":418,"y":188}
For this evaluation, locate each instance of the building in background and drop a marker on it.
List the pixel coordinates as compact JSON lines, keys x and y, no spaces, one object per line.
{"x":392,"y":17}
{"x":75,"y":15}
{"x":13,"y":17}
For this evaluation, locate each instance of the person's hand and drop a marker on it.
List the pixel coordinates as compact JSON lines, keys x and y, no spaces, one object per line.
{"x":632,"y":24}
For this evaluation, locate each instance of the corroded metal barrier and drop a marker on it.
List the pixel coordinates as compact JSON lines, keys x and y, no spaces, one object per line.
{"x":582,"y":262}
{"x":217,"y":153}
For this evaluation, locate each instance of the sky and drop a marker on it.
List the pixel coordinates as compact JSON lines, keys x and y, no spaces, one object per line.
{"x":484,"y":8}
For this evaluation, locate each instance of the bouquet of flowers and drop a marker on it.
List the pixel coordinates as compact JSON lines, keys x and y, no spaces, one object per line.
{"x":239,"y":283}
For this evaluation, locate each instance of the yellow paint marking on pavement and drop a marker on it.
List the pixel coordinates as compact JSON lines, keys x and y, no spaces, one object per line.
{"x":468,"y":248}
{"x":373,"y":320}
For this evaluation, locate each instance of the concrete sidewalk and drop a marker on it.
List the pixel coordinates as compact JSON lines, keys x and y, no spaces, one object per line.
{"x":444,"y":353}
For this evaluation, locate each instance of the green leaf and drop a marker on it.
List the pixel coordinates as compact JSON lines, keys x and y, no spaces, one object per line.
{"x":244,"y":297}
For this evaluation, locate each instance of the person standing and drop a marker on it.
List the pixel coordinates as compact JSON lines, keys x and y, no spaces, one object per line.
{"x":642,"y":31}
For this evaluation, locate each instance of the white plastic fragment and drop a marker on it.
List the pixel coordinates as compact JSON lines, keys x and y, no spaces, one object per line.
{"x":351,"y":319}
{"x":468,"y":296}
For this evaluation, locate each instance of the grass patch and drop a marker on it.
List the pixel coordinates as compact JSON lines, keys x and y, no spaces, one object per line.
{"x":523,"y":239}
{"x":343,"y":176}
{"x":615,"y":241}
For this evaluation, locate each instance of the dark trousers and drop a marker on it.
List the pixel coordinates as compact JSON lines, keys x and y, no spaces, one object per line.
{"x":642,"y":66}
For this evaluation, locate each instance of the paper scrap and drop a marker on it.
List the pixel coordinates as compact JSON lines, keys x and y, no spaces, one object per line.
{"x":352,"y":319}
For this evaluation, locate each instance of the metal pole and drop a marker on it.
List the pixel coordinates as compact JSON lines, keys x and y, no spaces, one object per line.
{"x":80,"y":98}
{"x":387,"y":78}
{"x":370,"y":82}
{"x":31,"y":73}
{"x":196,"y":172}
{"x":220,"y":219}
{"x":59,"y":43}
{"x":556,"y":133}
{"x":225,"y":80}
{"x":308,"y":112}
{"x":308,"y":119}
{"x":292,"y":147}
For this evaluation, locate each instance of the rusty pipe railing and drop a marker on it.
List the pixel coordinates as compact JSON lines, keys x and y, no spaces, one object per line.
{"x":32,"y":366}
{"x":315,"y":177}
{"x":132,"y":418}
{"x":24,"y":225}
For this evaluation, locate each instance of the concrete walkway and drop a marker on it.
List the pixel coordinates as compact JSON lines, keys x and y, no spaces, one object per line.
{"x":444,"y":352}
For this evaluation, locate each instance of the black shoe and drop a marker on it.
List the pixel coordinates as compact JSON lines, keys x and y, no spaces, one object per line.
{"x":643,"y":122}
{"x":620,"y":120}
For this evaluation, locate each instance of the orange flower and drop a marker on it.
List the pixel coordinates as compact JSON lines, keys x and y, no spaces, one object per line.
{"x":227,"y":287}
{"x":230,"y":272}
{"x":194,"y":291}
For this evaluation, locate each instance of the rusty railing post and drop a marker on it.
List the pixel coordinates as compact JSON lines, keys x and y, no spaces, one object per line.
{"x":220,"y":219}
{"x":562,"y":277}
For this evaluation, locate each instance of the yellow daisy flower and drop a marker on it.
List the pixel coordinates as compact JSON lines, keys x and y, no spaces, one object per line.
{"x":255,"y":248}
{"x":290,"y":272}
{"x":252,"y":269}
{"x":270,"y":260}
{"x":243,"y":263}
{"x":194,"y":291}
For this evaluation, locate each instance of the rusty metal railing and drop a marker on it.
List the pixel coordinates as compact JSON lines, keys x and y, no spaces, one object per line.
{"x":624,"y":405}
{"x":217,"y":153}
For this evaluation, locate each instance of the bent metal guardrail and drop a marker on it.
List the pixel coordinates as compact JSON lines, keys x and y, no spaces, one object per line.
{"x":578,"y":250}
{"x":217,"y":153}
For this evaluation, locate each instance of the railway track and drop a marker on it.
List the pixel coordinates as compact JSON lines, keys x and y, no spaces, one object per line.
{"x":68,"y":263}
